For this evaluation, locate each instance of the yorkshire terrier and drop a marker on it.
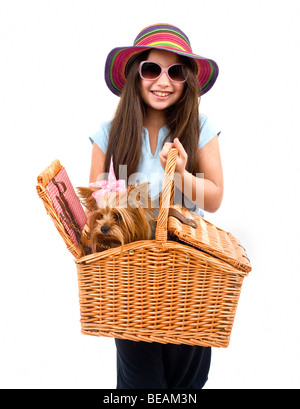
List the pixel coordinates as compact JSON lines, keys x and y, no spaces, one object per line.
{"x":117,"y":218}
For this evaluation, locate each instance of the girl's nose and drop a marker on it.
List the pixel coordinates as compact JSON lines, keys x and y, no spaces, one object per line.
{"x":163,"y":80}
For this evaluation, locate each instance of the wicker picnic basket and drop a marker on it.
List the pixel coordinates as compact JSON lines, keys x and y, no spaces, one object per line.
{"x":182,"y":291}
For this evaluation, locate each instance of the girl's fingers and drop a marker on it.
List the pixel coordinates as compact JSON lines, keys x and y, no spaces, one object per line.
{"x":164,"y":153}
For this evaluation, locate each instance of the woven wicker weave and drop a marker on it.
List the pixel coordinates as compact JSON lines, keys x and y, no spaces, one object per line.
{"x":162,"y":290}
{"x":44,"y":179}
{"x":209,"y":238}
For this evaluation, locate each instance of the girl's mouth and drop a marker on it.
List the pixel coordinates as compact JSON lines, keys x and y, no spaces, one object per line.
{"x":161,"y":94}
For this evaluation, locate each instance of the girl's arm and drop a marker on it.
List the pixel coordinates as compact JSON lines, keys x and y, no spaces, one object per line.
{"x":97,"y":164}
{"x":207,"y":191}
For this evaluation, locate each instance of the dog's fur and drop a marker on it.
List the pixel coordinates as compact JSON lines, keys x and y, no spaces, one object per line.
{"x":118,"y":218}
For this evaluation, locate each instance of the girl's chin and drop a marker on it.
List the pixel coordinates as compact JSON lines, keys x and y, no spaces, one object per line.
{"x":159,"y":103}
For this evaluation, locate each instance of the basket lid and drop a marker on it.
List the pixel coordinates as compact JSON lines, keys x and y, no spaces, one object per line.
{"x":207,"y":237}
{"x":62,"y":204}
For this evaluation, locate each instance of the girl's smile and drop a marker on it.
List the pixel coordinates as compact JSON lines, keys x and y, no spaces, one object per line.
{"x":160,"y":94}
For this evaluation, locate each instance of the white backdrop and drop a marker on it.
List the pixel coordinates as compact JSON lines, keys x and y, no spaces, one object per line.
{"x":53,"y":97}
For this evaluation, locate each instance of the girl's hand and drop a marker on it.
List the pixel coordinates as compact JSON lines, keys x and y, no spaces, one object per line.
{"x":181,"y":159}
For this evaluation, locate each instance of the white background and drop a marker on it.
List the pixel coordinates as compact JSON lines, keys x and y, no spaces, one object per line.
{"x":53,"y":97}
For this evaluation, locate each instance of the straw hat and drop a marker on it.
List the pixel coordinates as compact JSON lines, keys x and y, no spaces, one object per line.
{"x":162,"y":37}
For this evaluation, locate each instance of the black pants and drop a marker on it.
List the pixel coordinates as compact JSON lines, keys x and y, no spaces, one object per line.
{"x":144,"y":365}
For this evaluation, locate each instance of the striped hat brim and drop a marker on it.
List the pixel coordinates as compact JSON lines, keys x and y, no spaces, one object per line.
{"x":162,"y":37}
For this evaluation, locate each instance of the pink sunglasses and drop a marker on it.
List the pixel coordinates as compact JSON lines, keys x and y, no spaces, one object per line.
{"x":151,"y":71}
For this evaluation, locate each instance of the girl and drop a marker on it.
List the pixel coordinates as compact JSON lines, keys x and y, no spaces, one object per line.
{"x":160,"y":81}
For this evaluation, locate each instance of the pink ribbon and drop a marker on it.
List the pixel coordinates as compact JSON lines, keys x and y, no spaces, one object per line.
{"x":110,"y":185}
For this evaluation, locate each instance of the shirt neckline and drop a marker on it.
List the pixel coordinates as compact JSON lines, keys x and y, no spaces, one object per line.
{"x":161,"y":135}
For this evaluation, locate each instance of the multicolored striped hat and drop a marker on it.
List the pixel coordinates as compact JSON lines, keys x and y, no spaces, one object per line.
{"x":162,"y":37}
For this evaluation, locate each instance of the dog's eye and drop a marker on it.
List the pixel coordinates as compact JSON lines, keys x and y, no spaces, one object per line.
{"x":97,"y":219}
{"x":117,"y":217}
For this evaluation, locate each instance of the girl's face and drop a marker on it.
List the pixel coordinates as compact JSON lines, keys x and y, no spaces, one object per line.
{"x":161,"y":93}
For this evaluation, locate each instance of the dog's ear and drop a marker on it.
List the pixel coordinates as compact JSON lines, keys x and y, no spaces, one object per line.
{"x":86,"y":198}
{"x":138,"y":196}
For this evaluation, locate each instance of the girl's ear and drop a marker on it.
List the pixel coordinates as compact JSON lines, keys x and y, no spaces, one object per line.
{"x":85,"y":196}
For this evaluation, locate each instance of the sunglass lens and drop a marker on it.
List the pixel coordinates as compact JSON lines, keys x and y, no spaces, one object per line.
{"x":178,"y":73}
{"x":150,"y":70}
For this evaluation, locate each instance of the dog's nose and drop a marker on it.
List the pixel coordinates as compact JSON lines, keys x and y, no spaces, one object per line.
{"x":104,"y":229}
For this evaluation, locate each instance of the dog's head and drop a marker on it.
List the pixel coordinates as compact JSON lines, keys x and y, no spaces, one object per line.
{"x":118,"y":218}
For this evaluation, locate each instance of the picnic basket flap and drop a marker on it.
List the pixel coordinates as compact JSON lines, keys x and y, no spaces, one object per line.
{"x":60,"y":200}
{"x":192,"y":229}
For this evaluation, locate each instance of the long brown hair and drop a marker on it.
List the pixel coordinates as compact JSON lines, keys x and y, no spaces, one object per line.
{"x":182,"y":120}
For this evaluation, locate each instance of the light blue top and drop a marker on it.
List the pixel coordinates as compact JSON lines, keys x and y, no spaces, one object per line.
{"x":149,"y":168}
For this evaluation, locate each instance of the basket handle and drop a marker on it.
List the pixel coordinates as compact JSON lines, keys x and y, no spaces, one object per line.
{"x":165,"y":197}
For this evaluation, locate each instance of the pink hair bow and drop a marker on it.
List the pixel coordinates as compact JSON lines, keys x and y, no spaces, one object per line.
{"x":110,"y":185}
